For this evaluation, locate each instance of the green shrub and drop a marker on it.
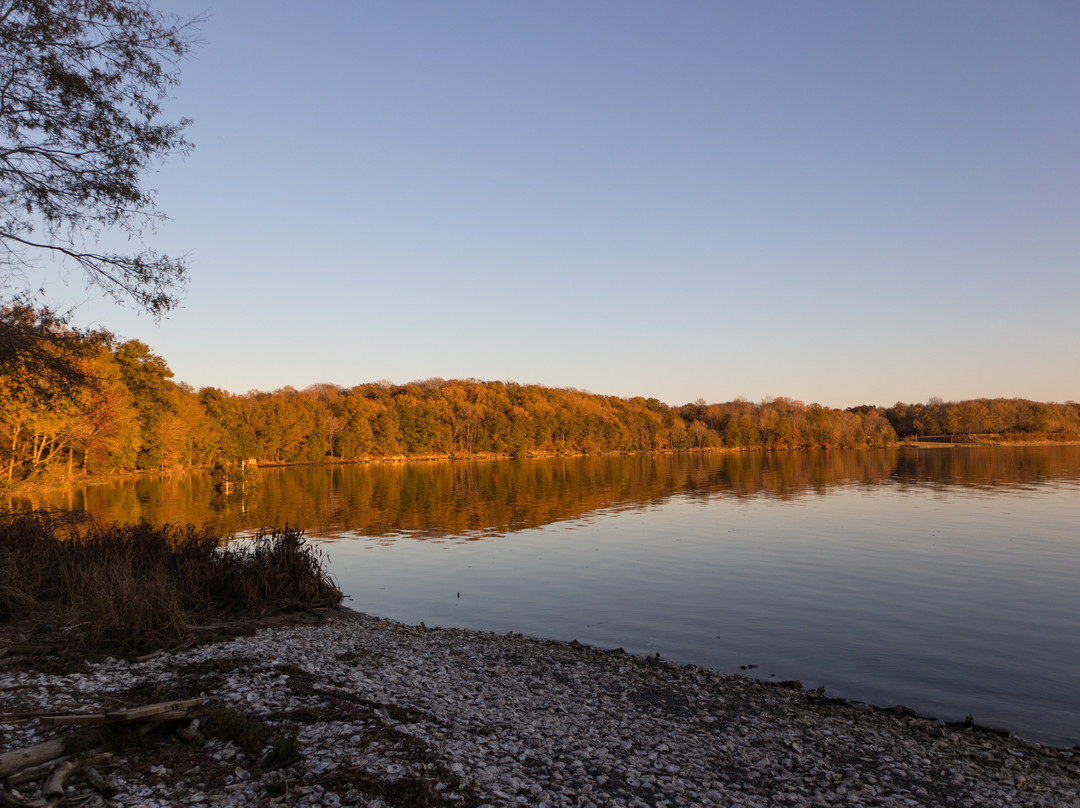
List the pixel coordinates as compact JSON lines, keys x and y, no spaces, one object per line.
{"x":285,"y":751}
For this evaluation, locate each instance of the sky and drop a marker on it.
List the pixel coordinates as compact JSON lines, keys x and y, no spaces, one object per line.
{"x":838,"y":202}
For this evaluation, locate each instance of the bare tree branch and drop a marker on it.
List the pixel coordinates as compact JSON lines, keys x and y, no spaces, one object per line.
{"x":81,"y":88}
{"x":80,"y":126}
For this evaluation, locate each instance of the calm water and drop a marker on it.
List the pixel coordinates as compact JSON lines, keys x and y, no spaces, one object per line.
{"x":942,"y":579}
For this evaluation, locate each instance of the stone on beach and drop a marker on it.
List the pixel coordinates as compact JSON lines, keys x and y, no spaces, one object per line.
{"x":394,"y":714}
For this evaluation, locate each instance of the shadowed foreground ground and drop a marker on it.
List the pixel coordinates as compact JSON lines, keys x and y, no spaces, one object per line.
{"x":388,"y":714}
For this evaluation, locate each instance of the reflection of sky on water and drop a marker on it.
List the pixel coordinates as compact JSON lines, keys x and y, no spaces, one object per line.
{"x":952,"y":605}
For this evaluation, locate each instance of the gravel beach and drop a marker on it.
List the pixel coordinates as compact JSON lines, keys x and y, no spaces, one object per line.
{"x":388,"y":714}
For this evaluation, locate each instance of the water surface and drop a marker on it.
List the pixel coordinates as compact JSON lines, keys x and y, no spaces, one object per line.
{"x":942,"y":579}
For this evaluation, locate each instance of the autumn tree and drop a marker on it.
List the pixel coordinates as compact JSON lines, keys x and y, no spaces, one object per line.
{"x":357,"y":438}
{"x":42,"y":355}
{"x":147,"y":376}
{"x":107,"y":419}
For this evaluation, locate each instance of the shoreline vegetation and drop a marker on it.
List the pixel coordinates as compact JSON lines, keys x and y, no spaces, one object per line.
{"x":79,"y":587}
{"x":133,"y":417}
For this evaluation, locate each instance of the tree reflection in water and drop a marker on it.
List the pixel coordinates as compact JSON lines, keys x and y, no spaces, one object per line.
{"x":473,"y":499}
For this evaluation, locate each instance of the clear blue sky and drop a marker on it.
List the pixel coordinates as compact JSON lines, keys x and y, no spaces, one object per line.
{"x":842,"y":202}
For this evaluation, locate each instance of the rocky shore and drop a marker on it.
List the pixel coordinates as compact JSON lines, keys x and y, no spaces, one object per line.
{"x":386,"y":714}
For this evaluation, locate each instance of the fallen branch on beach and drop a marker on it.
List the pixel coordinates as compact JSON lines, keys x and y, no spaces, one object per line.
{"x":163,"y":711}
{"x":51,"y":762}
{"x":19,"y":759}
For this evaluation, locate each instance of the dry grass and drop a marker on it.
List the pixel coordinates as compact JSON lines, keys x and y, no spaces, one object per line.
{"x":133,"y":588}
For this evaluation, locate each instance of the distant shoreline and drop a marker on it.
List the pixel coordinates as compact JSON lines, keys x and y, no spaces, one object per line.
{"x":977,"y":444}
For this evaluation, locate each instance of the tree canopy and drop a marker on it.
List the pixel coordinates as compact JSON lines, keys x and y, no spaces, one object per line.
{"x":137,"y":417}
{"x":81,"y":123}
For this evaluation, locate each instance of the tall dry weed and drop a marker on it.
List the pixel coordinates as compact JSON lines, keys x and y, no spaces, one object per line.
{"x":131,"y":588}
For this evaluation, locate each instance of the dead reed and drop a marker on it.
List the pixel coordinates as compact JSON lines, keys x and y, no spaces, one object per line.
{"x":133,"y":588}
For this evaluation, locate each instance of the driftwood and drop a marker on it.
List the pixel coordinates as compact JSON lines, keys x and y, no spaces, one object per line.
{"x":163,"y":711}
{"x":154,"y":710}
{"x":34,"y":772}
{"x":12,"y":801}
{"x":26,"y":765}
{"x":97,"y":782}
{"x":24,"y":714}
{"x":54,"y":786}
{"x":19,"y":759}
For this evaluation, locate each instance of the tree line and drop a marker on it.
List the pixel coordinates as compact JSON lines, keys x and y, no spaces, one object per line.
{"x":131,"y":415}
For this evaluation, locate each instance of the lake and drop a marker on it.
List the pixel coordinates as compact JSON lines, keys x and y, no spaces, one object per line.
{"x":944,"y":579}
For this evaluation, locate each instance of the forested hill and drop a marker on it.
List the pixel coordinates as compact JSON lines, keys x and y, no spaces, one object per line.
{"x":136,"y":417}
